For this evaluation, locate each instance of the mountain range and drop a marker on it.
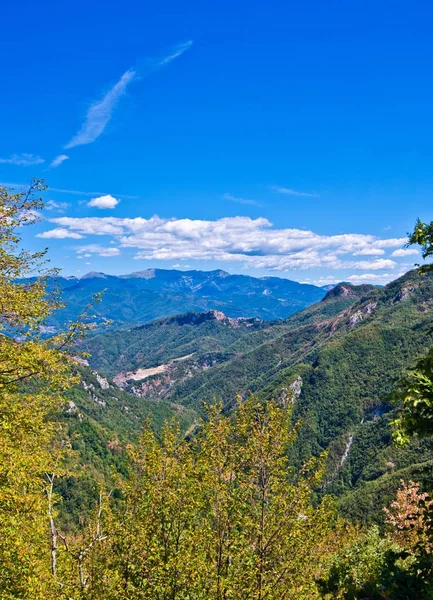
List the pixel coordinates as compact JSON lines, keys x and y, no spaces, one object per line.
{"x":146,"y":295}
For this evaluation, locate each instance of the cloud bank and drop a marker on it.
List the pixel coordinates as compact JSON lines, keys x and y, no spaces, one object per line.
{"x":255,"y":242}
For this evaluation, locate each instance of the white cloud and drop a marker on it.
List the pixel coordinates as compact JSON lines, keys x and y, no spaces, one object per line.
{"x":254,"y":242}
{"x":375,"y":265}
{"x":405,"y":252}
{"x":104,"y":202}
{"x":369,"y":252}
{"x":22,"y":160}
{"x":359,"y":279}
{"x":59,"y":160}
{"x":56,"y":206}
{"x":238,"y":200}
{"x":99,"y":113}
{"x":59,"y":234}
{"x":177,"y":51}
{"x":290,"y":192}
{"x":86,"y":251}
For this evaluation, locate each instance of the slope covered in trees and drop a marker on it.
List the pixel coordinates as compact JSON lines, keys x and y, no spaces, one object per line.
{"x":344,"y":355}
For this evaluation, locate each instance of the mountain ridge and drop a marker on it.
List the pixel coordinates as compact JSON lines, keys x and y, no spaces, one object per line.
{"x":154,"y":293}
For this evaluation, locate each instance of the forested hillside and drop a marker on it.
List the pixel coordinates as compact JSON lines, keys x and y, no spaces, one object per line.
{"x":99,"y":420}
{"x":344,"y":355}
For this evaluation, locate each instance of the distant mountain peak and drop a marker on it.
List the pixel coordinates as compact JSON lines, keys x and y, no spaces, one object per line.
{"x":94,"y":275}
{"x":146,"y":274}
{"x":348,"y":290}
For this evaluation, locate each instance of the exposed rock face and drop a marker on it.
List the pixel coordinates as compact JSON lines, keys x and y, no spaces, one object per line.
{"x":87,"y":386}
{"x":404,"y":293}
{"x":101,"y":380}
{"x":71,"y":407}
{"x":346,"y":451}
{"x":359,"y":315}
{"x":296,"y":388}
{"x":156,"y":383}
{"x":291,"y":393}
{"x":98,"y":400}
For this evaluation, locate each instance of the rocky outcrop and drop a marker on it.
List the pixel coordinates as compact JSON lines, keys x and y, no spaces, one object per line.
{"x":404,"y":293}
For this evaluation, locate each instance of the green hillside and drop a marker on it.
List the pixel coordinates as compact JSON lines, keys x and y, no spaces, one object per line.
{"x":99,"y":421}
{"x":342,"y":355}
{"x":166,"y":339}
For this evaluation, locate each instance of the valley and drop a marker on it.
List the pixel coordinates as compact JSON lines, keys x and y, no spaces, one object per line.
{"x":343,"y":354}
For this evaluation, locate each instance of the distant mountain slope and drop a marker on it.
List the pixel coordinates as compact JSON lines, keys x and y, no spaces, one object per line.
{"x":203,"y":342}
{"x":147,"y":295}
{"x":259,"y":357}
{"x":166,"y":339}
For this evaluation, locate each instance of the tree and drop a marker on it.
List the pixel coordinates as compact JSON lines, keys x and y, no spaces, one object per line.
{"x":34,"y":371}
{"x":222,"y":516}
{"x":414,"y":392}
{"x":422,"y":235}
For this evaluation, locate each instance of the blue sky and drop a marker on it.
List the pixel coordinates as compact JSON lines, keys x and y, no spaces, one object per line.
{"x":279,"y":137}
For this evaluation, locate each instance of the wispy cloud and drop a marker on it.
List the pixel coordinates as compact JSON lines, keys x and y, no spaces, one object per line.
{"x":290,"y":192}
{"x":59,"y":160}
{"x":177,"y":51}
{"x":239,"y":200}
{"x":62,"y":191}
{"x":56,"y":206}
{"x":22,"y":160}
{"x":99,"y":113}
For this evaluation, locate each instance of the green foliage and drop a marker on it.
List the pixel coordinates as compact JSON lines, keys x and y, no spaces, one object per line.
{"x":25,"y":435}
{"x":99,"y":420}
{"x":221,"y":517}
{"x":414,"y":394}
{"x":422,"y":235}
{"x":349,"y":350}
